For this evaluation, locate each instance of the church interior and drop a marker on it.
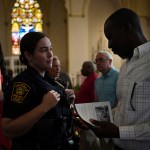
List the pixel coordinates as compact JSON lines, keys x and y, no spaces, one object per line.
{"x":75,"y":28}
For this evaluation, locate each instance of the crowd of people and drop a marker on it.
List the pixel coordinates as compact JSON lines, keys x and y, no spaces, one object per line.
{"x":37,"y":111}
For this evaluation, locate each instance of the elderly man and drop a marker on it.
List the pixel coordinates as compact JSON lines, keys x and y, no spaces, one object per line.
{"x":105,"y":85}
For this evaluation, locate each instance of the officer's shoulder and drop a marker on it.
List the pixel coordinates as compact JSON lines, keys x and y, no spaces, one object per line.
{"x":20,"y":79}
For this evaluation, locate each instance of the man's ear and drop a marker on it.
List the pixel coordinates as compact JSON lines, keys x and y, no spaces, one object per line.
{"x":129,"y":27}
{"x":110,"y":60}
{"x":28,"y":56}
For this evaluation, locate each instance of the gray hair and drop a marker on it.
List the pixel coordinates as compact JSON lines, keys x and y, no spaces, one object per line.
{"x":90,"y":65}
{"x":106,"y":53}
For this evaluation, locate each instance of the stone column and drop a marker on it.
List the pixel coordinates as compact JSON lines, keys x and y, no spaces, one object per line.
{"x":77,"y":35}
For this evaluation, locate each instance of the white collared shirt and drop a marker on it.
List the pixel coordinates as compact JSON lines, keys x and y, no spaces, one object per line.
{"x":132,"y":114}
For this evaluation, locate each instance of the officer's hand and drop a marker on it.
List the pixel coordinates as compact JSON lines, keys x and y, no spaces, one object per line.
{"x":70,"y":94}
{"x":50,"y":100}
{"x":104,"y":129}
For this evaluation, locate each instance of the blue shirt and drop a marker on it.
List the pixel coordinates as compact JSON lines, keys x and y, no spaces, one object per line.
{"x":105,"y":87}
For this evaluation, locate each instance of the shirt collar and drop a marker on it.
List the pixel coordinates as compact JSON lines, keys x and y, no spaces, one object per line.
{"x":109,"y":73}
{"x":142,"y":49}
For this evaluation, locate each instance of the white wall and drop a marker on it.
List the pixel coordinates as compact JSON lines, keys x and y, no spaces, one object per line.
{"x":99,"y":10}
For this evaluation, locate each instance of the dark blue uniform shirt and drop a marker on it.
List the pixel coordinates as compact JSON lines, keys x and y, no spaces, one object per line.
{"x":25,"y":92}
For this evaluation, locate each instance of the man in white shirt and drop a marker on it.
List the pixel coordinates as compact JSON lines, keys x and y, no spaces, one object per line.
{"x":131,"y":128}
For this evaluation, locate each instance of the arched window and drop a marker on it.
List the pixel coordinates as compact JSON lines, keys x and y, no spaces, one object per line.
{"x":26,"y":17}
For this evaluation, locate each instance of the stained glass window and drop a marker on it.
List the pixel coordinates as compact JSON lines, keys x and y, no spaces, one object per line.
{"x":26,"y":17}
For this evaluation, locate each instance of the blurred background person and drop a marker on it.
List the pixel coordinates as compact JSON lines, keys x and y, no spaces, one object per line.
{"x":86,"y":92}
{"x":65,"y":101}
{"x":88,"y":140}
{"x":105,"y":85}
{"x":65,"y":78}
{"x":9,"y":74}
{"x":56,"y":73}
{"x":4,"y":142}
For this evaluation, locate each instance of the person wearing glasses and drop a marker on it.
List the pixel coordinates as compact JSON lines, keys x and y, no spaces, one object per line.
{"x":105,"y":85}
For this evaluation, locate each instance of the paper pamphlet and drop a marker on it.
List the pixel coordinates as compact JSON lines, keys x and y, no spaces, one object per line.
{"x":97,"y":110}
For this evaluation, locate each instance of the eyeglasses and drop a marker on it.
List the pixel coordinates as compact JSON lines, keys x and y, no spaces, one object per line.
{"x":99,"y":60}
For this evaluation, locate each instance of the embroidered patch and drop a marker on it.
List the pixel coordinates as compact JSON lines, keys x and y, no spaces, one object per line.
{"x":20,"y":90}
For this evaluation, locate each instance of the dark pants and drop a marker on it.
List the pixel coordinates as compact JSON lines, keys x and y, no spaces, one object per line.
{"x":16,"y":146}
{"x":117,"y":148}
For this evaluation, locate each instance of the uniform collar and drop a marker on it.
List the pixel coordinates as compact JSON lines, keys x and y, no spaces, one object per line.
{"x":33,"y":71}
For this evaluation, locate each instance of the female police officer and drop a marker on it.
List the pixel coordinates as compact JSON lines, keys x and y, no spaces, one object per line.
{"x":28,"y":98}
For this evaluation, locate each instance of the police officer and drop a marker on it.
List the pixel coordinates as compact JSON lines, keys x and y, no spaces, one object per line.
{"x":29,"y":100}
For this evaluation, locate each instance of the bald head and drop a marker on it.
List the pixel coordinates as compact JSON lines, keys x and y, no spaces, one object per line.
{"x":124,"y":16}
{"x":124,"y":33}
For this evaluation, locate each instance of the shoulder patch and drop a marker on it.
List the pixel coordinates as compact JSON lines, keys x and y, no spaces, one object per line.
{"x":20,"y":90}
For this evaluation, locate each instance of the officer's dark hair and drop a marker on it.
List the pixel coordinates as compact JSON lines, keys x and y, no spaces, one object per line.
{"x":28,"y":43}
{"x":124,"y":16}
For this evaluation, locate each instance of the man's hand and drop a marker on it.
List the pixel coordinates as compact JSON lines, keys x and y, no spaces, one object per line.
{"x":70,"y":95}
{"x":105,"y":129}
{"x":78,"y":121}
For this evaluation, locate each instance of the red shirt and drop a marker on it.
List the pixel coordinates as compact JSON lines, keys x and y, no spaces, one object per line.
{"x":86,"y":92}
